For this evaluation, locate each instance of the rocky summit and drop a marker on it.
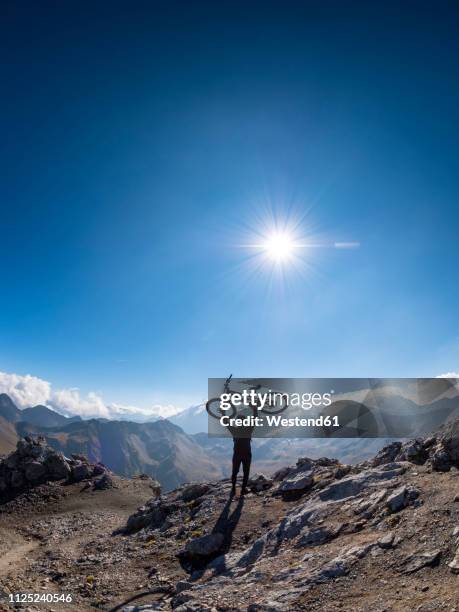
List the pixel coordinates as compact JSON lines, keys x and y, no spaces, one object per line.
{"x":34,"y":462}
{"x":378,"y":536}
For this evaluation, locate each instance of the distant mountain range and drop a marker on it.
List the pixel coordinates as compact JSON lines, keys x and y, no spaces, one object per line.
{"x":178,"y":449}
{"x":193,"y":420}
{"x":159,"y":448}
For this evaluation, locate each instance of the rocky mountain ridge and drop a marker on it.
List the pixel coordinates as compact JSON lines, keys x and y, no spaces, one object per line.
{"x":378,"y":536}
{"x":160,"y":448}
{"x":343,"y":520}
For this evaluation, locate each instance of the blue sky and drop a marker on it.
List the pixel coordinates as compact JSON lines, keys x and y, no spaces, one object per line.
{"x":142,"y":142}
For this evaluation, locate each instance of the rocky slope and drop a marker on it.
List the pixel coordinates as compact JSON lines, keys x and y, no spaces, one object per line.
{"x":319,"y":535}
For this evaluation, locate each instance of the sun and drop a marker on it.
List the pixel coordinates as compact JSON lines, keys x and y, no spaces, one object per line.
{"x":279,"y":246}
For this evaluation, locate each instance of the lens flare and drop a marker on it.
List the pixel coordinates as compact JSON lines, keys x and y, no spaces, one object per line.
{"x":279,"y":247}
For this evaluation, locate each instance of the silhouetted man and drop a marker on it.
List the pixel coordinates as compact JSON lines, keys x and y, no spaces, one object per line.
{"x":242,"y":453}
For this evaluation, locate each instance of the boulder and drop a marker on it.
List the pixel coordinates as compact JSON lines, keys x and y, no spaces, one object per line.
{"x":386,"y":541}
{"x":204,"y":546}
{"x":305,"y":463}
{"x":351,"y":486}
{"x":22,"y":448}
{"x":80,"y":471}
{"x":316,"y":536}
{"x":193,"y":491}
{"x":37,"y":449}
{"x":152,"y":515}
{"x":104,"y":482}
{"x":398,"y":499}
{"x":57,"y":466}
{"x":35,"y":471}
{"x":418,"y":560}
{"x":99,"y":469}
{"x":282,"y":473}
{"x":13,"y":461}
{"x":17,"y":479}
{"x":387,"y":454}
{"x":401,"y":497}
{"x":260,"y":483}
{"x":440,"y":459}
{"x":450,"y":441}
{"x":414,"y":451}
{"x":341,"y":471}
{"x":296,"y":484}
{"x":78,"y":457}
{"x":32,"y":463}
{"x":454,"y":564}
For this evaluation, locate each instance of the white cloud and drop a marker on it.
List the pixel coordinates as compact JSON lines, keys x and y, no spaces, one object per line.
{"x":449,"y":375}
{"x":29,"y":390}
{"x":70,"y":402}
{"x":25,"y":390}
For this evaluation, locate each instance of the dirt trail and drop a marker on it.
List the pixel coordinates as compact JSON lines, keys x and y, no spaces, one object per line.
{"x":13,"y":550}
{"x":58,"y":546}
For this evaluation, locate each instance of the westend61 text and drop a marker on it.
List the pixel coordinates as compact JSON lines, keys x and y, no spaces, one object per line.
{"x":278,"y":421}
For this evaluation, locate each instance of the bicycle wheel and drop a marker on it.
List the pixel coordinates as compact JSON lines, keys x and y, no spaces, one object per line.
{"x":214,"y":410}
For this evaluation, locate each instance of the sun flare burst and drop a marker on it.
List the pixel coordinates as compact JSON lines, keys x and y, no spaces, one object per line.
{"x":286,"y":251}
{"x":279,"y":246}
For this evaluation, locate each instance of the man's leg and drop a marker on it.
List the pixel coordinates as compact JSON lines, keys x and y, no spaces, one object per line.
{"x":246,"y":470}
{"x":236,"y":465}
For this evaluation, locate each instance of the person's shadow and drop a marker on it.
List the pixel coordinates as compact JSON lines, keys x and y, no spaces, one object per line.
{"x":225,"y":524}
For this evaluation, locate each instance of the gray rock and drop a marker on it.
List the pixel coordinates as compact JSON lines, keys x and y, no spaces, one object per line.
{"x":316,"y":536}
{"x":260,"y":483}
{"x":398,"y":499}
{"x":418,"y":560}
{"x":298,"y":483}
{"x":22,"y":448}
{"x":12,"y":461}
{"x":341,"y":471}
{"x":17,"y":479}
{"x":57,"y":466}
{"x":98,"y":469}
{"x":414,"y":451}
{"x":183,"y":585}
{"x":205,"y":545}
{"x":104,"y":482}
{"x":450,"y":441}
{"x":36,"y":450}
{"x":152,"y":516}
{"x":454,"y":564}
{"x":305,"y":463}
{"x":355,"y":484}
{"x":341,"y":565}
{"x":35,"y":471}
{"x":80,"y":471}
{"x":440,"y":459}
{"x":193,"y":491}
{"x":386,"y":541}
{"x":387,"y":454}
{"x":282,"y":473}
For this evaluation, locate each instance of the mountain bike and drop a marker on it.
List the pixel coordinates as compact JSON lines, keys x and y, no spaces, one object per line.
{"x":214,"y":409}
